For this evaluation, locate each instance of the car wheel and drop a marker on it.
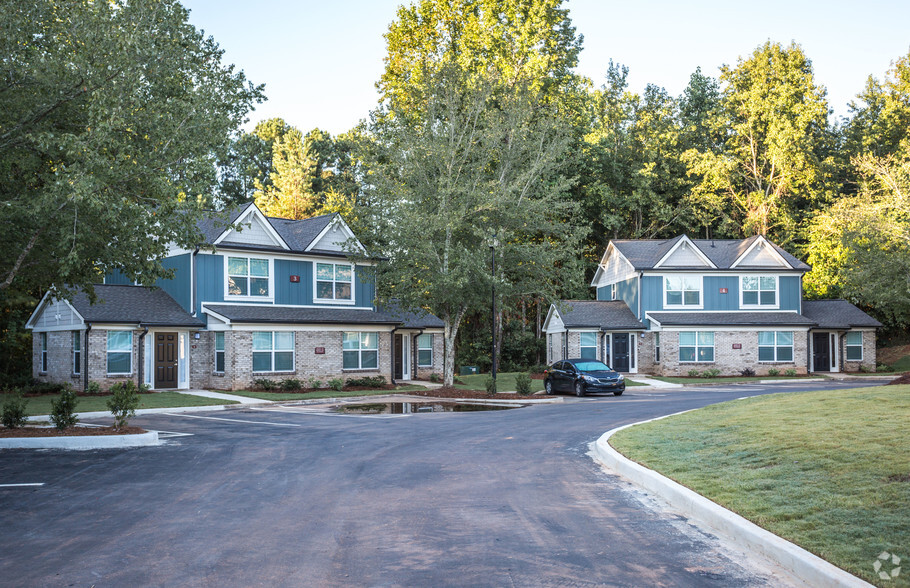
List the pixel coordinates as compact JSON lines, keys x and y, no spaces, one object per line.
{"x":618,"y":393}
{"x":579,"y":389}
{"x":548,"y":386}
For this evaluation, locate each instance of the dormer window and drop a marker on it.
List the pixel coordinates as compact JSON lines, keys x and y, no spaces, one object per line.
{"x":248,"y":277}
{"x":682,"y":291}
{"x":759,"y":291}
{"x":335,"y":282}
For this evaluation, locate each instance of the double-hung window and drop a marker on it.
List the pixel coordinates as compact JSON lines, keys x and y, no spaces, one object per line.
{"x":335,"y":281}
{"x":43,"y":352}
{"x":425,"y":350}
{"x":682,"y":290}
{"x":360,"y":351}
{"x":759,"y":290}
{"x":219,"y":351}
{"x":696,"y":346}
{"x":775,"y":346}
{"x":855,"y":346}
{"x":248,"y":276}
{"x":119,"y":352}
{"x":588,"y":345}
{"x":273,"y":351}
{"x":77,"y":352}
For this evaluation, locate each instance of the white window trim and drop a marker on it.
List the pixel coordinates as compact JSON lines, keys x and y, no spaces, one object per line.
{"x":44,"y":365}
{"x":759,"y":306}
{"x":107,"y":352}
{"x":847,"y":346}
{"x":222,"y":351}
{"x":228,"y":297}
{"x":580,"y":347}
{"x":713,"y":347}
{"x":352,"y":301}
{"x":77,"y":364}
{"x":430,"y":349}
{"x":775,"y":346}
{"x":360,"y":351}
{"x":701,"y":293}
{"x":272,"y":351}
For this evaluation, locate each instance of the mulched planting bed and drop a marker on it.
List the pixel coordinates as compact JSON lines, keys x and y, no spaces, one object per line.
{"x":448,"y":392}
{"x":71,"y":432}
{"x":905,"y":379}
{"x":310,"y":390}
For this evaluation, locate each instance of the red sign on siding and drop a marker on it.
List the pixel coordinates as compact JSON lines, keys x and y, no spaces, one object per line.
{"x":723,"y":290}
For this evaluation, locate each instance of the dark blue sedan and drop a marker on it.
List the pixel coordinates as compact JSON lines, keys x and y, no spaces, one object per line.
{"x":582,"y":376}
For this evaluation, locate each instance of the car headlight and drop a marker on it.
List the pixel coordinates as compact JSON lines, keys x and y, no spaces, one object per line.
{"x":589,"y":378}
{"x":621,"y":378}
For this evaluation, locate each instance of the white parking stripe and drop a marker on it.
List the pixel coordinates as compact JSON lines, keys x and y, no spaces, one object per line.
{"x":191,"y":416}
{"x":318,"y":412}
{"x":21,"y":485}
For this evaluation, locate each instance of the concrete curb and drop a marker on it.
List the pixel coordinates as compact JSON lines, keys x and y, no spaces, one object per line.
{"x":810,"y":568}
{"x":82,"y":443}
{"x":99,"y":414}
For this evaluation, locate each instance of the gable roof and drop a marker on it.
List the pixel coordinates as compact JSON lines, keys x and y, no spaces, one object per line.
{"x":412,"y":319}
{"x":598,"y":314}
{"x":645,"y":254}
{"x":837,"y":314}
{"x":132,"y":305}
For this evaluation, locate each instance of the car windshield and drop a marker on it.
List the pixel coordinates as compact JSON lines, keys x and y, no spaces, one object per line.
{"x":592,"y":366}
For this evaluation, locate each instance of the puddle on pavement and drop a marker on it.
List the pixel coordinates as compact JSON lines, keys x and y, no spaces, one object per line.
{"x":418,"y":407}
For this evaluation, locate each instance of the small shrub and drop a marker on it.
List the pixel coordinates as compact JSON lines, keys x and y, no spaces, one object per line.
{"x":434,"y":377}
{"x":790,"y":372}
{"x":63,"y":409}
{"x":694,"y":373}
{"x":368,"y":381}
{"x":747,"y":372}
{"x":864,"y":368}
{"x":291,"y":384}
{"x":14,"y":413}
{"x":123,"y":402}
{"x":336,"y":384}
{"x":490,"y":385}
{"x":773,"y":372}
{"x":711,"y":373}
{"x":884,"y":368}
{"x":314,"y":383}
{"x":377,"y":381}
{"x":523,"y":384}
{"x":93,"y":388}
{"x":266,"y":384}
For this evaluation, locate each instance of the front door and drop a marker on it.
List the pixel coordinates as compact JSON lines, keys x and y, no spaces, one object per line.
{"x":399,"y":357}
{"x":165,"y":360}
{"x":821,"y":352}
{"x":620,"y":352}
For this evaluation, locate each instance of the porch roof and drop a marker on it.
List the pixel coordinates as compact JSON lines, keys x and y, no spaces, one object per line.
{"x":730,"y":319}
{"x":248,"y":313}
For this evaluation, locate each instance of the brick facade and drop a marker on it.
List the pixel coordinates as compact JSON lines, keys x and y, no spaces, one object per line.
{"x":869,"y":358}
{"x":727,"y":358}
{"x":59,"y":359}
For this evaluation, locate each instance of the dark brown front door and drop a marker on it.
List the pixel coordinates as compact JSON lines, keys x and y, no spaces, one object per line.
{"x":399,"y":358}
{"x":165,"y":360}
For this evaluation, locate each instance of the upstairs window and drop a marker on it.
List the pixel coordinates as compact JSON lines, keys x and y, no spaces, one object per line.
{"x":588,"y":345}
{"x":682,"y":290}
{"x":759,"y":290}
{"x":248,"y":276}
{"x":335,"y":281}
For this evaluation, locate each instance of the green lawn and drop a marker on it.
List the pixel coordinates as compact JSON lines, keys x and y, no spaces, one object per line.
{"x":42,"y":404}
{"x":728,"y":380}
{"x":319,"y":394}
{"x":829,"y":471}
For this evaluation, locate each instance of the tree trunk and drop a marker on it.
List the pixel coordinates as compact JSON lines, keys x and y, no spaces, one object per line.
{"x":450,"y":332}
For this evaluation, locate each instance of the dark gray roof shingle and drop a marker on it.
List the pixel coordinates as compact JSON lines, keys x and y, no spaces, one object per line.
{"x":248,"y":313}
{"x":716,"y":319}
{"x":133,"y":304}
{"x":600,"y":314}
{"x":298,"y":234}
{"x":837,"y":314}
{"x":412,"y":319}
{"x":645,"y":253}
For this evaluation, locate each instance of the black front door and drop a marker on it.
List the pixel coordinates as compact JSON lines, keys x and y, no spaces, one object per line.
{"x":165,"y":360}
{"x":620,"y":352}
{"x":821,"y":352}
{"x":399,"y":361}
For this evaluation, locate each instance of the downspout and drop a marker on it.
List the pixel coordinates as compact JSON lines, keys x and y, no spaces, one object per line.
{"x":392,"y":348}
{"x":193,"y":282}
{"x":414,"y":352}
{"x":142,"y":335}
{"x":88,"y":329}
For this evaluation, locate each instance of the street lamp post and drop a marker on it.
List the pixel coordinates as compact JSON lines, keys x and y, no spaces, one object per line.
{"x":493,"y":244}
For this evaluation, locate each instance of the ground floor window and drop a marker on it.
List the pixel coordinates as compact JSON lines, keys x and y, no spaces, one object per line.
{"x":77,"y":352}
{"x":360,"y":351}
{"x":696,"y":346}
{"x":775,"y":346}
{"x":119,"y":352}
{"x":855,"y":346}
{"x":219,"y":352}
{"x":425,"y":350}
{"x":273,"y":351}
{"x":43,"y":352}
{"x":588,"y":345}
{"x":656,"y":347}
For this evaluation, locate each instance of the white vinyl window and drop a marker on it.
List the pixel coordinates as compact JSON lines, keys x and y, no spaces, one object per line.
{"x":43,"y":352}
{"x":77,"y":352}
{"x":775,"y":346}
{"x":335,"y":281}
{"x":696,"y":346}
{"x":273,"y":351}
{"x":425,"y":350}
{"x":855,"y":346}
{"x":119,"y":352}
{"x":219,"y":351}
{"x":759,"y":290}
{"x":360,"y":351}
{"x":588,"y":345}
{"x":248,"y":276}
{"x":682,"y":290}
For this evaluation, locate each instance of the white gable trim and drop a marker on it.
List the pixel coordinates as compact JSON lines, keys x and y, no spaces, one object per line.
{"x":550,"y":314}
{"x":698,"y":252}
{"x":348,"y":233}
{"x":42,"y":306}
{"x":604,"y":261}
{"x":765,"y":244}
{"x":253,"y":211}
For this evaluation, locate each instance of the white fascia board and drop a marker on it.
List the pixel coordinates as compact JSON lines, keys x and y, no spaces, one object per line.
{"x":211,"y":312}
{"x":38,"y":309}
{"x":761,"y":241}
{"x":29,"y":324}
{"x":253,"y":210}
{"x":348,"y":233}
{"x":611,"y":249}
{"x":698,"y":252}
{"x":727,"y":329}
{"x":550,"y":314}
{"x":310,"y":327}
{"x":290,"y":255}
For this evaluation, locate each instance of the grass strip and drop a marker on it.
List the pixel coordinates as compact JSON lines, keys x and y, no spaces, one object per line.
{"x":829,"y":471}
{"x":316,"y":395}
{"x":42,"y":404}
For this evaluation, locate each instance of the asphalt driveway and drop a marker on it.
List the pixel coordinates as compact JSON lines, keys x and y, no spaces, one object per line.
{"x":292,"y":497}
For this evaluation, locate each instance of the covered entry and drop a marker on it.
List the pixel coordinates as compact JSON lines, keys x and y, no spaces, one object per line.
{"x":166,"y":360}
{"x":619,"y":352}
{"x":824,"y":352}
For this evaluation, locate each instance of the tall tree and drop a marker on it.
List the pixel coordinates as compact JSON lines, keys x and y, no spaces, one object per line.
{"x":112,"y":115}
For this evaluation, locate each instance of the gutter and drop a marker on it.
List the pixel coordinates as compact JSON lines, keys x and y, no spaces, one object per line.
{"x":88,"y":329}
{"x":142,"y":335}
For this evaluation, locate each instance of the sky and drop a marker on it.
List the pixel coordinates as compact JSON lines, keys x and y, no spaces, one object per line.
{"x":320,"y":61}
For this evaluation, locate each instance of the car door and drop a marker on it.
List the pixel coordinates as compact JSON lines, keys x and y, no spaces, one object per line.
{"x":559,"y":375}
{"x":568,"y":377}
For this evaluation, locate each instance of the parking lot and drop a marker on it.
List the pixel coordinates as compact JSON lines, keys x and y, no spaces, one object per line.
{"x":295,"y":495}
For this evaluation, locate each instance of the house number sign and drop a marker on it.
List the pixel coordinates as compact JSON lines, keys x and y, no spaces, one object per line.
{"x":737,"y":346}
{"x":723,"y":290}
{"x":320,"y":351}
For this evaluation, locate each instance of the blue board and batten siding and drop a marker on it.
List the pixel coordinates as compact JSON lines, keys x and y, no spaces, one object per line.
{"x":605,"y":292}
{"x":715,"y":298}
{"x":790,"y":290}
{"x":180,"y":286}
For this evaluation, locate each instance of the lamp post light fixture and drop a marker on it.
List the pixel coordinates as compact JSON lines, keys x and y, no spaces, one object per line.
{"x":493,"y":245}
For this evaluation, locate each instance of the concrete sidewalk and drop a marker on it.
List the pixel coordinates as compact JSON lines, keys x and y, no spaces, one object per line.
{"x":651,"y":382}
{"x":224,"y":396}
